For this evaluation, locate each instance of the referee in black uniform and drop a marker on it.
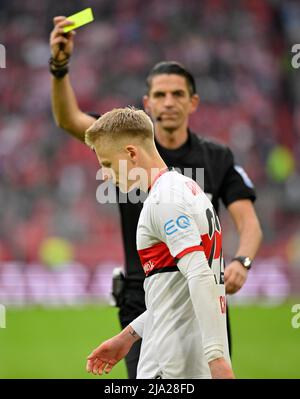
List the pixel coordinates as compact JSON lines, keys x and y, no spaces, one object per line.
{"x":171,"y":98}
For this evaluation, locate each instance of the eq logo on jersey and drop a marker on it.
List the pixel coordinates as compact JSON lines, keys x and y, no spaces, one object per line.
{"x":171,"y":226}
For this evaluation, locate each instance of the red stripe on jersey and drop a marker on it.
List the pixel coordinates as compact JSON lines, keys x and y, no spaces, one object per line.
{"x":188,"y":250}
{"x":208,"y":244}
{"x":158,"y":257}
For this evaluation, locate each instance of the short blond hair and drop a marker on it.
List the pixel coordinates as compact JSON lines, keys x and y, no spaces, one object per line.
{"x":120,"y":123}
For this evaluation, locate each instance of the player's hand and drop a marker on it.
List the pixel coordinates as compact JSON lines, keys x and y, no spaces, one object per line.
{"x":235,"y":276}
{"x":107,"y":355}
{"x":220,"y":369}
{"x":61,"y":43}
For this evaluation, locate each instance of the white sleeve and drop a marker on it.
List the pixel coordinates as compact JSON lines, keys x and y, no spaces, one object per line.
{"x":138,"y":324}
{"x":204,"y":294}
{"x":176,"y":226}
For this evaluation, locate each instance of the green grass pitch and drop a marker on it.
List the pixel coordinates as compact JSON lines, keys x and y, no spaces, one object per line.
{"x":54,"y":343}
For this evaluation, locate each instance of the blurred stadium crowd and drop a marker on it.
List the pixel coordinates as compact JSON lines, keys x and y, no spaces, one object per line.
{"x":240,"y":54}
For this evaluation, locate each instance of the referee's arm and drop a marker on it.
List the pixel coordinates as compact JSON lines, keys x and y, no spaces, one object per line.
{"x":66,"y":111}
{"x":238,"y":195}
{"x":247,"y":224}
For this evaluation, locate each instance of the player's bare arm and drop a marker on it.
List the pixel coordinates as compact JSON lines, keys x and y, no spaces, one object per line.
{"x":65,"y":108}
{"x":110,"y":352}
{"x":250,"y":237}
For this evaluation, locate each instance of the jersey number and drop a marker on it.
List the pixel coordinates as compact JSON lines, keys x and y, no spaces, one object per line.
{"x":214,"y":240}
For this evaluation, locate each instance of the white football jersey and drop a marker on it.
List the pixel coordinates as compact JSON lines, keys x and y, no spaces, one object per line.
{"x":177,"y":218}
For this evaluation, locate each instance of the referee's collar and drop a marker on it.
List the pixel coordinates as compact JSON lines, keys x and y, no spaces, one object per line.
{"x":187,"y":143}
{"x":161,"y":172}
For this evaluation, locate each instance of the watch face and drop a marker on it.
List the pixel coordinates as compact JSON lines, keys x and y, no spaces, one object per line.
{"x":247,"y":262}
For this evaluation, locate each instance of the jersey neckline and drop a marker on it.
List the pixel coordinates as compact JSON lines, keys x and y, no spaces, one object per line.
{"x":161,"y":172}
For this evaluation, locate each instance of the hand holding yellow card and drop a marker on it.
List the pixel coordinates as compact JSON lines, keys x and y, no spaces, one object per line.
{"x":80,"y":18}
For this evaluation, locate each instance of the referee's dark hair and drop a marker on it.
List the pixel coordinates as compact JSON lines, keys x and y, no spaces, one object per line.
{"x":172,"y":68}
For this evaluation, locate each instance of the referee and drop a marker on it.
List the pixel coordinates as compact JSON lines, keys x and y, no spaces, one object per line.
{"x":171,"y":98}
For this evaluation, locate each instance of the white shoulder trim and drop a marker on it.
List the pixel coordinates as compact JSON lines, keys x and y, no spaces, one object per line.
{"x":244,"y":176}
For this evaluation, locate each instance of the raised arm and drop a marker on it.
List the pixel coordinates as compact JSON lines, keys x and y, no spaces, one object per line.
{"x":66,"y":111}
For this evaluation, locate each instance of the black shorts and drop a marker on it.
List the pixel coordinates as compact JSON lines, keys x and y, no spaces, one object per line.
{"x":132,"y":303}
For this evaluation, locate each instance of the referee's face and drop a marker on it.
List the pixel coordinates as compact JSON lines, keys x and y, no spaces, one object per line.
{"x":169,"y":101}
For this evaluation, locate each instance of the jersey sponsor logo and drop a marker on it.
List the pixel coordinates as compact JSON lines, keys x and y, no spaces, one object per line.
{"x":183,"y":222}
{"x":244,"y":176}
{"x":171,"y":226}
{"x":193,"y":186}
{"x":148,"y":266}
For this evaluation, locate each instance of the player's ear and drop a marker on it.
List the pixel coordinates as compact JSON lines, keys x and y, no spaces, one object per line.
{"x":146,"y":104}
{"x":131,"y":152}
{"x":195,"y":100}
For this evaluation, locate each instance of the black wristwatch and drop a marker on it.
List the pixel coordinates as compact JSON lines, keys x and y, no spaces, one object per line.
{"x":244,"y":260}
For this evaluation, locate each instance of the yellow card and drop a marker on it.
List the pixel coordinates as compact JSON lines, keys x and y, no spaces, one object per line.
{"x":80,"y":18}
